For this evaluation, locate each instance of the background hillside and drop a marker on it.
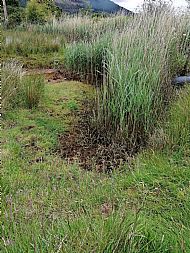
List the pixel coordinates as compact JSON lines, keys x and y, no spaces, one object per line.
{"x":73,"y":6}
{"x":95,"y":5}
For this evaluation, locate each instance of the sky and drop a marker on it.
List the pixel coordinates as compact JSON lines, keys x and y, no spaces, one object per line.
{"x":133,"y":4}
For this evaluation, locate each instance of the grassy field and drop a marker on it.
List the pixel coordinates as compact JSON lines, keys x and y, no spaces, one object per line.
{"x":52,"y":205}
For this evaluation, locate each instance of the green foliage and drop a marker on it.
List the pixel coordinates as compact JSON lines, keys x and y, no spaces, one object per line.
{"x":83,"y":28}
{"x":132,"y":101}
{"x":50,"y":206}
{"x":72,"y":105}
{"x":37,"y":13}
{"x":15,"y":15}
{"x":179,"y":53}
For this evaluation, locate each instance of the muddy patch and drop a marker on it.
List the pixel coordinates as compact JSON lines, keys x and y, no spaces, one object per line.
{"x":56,"y":75}
{"x":85,"y":146}
{"x":59,"y":75}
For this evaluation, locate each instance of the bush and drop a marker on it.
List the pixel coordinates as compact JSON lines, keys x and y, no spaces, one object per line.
{"x":37,"y":13}
{"x":16,"y":16}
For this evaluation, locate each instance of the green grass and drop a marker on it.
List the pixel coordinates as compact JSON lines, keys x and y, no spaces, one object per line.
{"x":49,"y":206}
{"x":32,"y":49}
{"x":36,"y":60}
{"x":19,"y":90}
{"x":79,"y":28}
{"x":87,"y":59}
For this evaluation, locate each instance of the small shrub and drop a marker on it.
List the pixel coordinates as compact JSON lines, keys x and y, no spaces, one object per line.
{"x":32,"y":90}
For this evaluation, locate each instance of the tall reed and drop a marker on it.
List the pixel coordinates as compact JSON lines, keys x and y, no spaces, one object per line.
{"x":32,"y":90}
{"x":82,"y":28}
{"x":134,"y":97}
{"x":87,"y":58}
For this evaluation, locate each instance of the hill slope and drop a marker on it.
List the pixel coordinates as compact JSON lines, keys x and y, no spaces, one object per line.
{"x":73,"y":6}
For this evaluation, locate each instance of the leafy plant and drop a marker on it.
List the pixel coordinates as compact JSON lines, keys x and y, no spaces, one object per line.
{"x":72,"y":105}
{"x":37,"y":12}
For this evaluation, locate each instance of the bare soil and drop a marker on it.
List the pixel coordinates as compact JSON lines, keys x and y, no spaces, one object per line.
{"x":85,"y":146}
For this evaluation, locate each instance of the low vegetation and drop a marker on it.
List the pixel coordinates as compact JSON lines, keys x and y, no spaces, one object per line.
{"x":19,"y":90}
{"x":51,"y":204}
{"x":32,"y":49}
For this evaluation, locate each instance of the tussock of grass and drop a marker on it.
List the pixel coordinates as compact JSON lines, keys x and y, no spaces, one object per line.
{"x":19,"y":90}
{"x":33,"y":90}
{"x":87,"y":59}
{"x":11,"y":74}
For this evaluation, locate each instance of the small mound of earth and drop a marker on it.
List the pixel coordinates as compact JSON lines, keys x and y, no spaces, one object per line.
{"x":90,"y":150}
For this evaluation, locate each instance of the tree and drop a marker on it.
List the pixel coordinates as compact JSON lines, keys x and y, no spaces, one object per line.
{"x":51,"y":6}
{"x":36,"y":12}
{"x":5,"y":12}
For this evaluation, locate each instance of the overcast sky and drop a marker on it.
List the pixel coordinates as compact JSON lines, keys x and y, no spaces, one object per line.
{"x":133,"y":4}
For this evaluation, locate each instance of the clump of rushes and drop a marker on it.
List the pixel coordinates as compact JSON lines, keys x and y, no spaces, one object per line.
{"x":11,"y":75}
{"x":87,"y":59}
{"x":134,"y":97}
{"x":19,"y":90}
{"x":32,"y":90}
